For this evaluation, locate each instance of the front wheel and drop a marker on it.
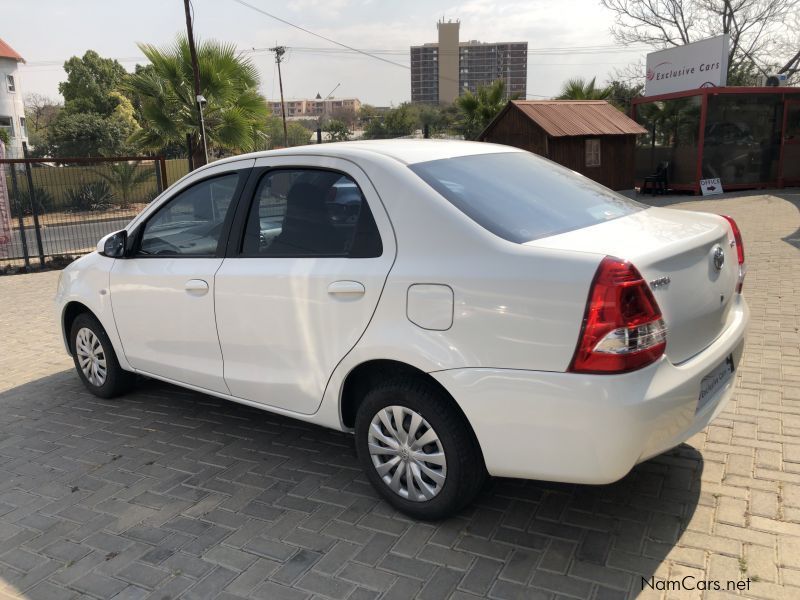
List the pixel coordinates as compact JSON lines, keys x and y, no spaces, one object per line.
{"x":95,"y":360}
{"x":418,"y":451}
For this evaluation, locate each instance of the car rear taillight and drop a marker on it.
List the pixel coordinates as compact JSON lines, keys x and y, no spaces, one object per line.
{"x":737,"y":240}
{"x":622,"y":328}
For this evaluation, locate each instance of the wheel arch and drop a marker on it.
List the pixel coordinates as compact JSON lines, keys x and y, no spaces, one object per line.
{"x":70,"y":312}
{"x":361,"y":378}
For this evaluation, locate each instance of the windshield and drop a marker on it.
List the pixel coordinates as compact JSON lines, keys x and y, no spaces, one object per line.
{"x":522,"y":197}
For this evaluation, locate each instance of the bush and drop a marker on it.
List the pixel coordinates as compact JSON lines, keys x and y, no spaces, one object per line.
{"x":44,"y":202}
{"x":96,"y":195}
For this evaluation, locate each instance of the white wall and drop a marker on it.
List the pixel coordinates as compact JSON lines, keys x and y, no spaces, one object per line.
{"x":11,"y":105}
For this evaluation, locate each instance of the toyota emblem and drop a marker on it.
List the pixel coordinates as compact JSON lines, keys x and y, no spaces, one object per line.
{"x":718,"y":257}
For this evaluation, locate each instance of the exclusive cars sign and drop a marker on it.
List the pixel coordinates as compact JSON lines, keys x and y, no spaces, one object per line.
{"x":697,"y":65}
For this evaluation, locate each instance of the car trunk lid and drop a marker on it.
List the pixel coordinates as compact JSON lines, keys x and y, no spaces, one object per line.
{"x":675,"y":252}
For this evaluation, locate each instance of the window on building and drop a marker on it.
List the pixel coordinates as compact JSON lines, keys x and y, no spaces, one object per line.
{"x":8,"y":124}
{"x":593,"y":153}
{"x":12,"y":87}
{"x":22,"y":130}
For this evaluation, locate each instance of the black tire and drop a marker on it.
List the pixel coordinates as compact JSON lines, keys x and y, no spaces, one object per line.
{"x":465,"y":473}
{"x":117,"y":381}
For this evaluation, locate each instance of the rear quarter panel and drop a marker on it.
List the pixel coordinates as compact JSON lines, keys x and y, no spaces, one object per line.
{"x":515,"y":307}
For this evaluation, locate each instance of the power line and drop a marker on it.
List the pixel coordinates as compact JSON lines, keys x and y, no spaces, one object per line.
{"x":322,"y":37}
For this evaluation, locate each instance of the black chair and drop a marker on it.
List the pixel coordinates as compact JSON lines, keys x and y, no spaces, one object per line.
{"x":658,"y":181}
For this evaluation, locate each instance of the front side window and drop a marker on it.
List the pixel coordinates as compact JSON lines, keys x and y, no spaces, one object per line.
{"x":593,"y":153}
{"x":310,"y":212}
{"x":521,"y":197}
{"x":191,"y":223}
{"x":12,"y":87}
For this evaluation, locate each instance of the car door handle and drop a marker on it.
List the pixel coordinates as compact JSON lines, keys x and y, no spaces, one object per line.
{"x":196,"y":287}
{"x":346,"y":289}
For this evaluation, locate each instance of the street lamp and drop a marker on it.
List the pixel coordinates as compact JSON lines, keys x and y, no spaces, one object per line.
{"x":201,"y":102}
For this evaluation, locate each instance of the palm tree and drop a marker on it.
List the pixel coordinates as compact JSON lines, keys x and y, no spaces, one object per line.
{"x":124,"y":177}
{"x":234,"y":112}
{"x":478,"y":110}
{"x":579,"y":88}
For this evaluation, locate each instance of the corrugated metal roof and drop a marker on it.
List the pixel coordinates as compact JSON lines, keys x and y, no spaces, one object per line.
{"x":561,"y":118}
{"x":7,"y":51}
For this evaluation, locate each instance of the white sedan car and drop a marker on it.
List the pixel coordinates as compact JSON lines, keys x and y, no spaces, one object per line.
{"x":464,"y":308}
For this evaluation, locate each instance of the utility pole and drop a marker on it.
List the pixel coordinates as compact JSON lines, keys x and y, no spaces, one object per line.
{"x":196,"y":72}
{"x":279,"y":52}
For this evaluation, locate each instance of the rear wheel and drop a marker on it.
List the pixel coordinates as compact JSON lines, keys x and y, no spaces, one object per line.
{"x":95,"y":359}
{"x":417,"y":449}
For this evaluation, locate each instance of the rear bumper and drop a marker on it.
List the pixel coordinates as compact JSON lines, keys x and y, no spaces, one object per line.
{"x":591,"y":428}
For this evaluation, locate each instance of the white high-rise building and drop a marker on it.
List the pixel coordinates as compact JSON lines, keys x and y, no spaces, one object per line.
{"x":12,"y":108}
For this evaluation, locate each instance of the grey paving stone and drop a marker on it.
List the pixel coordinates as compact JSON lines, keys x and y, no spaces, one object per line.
{"x":98,"y":585}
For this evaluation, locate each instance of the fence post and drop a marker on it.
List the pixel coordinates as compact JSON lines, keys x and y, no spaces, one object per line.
{"x":164,"y":183}
{"x":319,"y":135}
{"x":190,"y":151}
{"x":20,"y":217}
{"x":161,"y":174}
{"x":426,"y":131}
{"x":34,"y":207}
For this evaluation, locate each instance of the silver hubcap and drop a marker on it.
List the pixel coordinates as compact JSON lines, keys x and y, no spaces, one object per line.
{"x":407,"y":453}
{"x":91,"y":356}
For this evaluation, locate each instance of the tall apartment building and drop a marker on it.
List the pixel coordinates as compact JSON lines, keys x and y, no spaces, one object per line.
{"x":315,"y":107}
{"x":442,"y":71}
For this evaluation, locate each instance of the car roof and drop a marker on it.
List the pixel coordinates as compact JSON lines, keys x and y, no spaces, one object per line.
{"x":407,"y":151}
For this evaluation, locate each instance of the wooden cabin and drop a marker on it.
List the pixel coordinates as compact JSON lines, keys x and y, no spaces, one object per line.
{"x":588,"y":136}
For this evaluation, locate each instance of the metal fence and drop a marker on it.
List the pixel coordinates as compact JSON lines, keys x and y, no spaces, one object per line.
{"x":62,"y":207}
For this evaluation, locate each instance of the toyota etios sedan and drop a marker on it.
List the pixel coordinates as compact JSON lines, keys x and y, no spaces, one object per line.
{"x":463,"y":308}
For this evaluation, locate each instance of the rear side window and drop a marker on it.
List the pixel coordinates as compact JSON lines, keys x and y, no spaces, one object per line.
{"x":521,"y":197}
{"x":310,"y":213}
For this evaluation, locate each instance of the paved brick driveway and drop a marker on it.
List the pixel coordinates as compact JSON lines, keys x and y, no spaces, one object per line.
{"x":169,"y":493}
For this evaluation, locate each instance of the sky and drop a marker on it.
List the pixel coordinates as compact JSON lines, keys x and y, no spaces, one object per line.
{"x":48,"y":32}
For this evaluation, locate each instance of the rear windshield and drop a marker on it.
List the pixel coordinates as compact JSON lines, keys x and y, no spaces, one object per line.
{"x":522,"y":197}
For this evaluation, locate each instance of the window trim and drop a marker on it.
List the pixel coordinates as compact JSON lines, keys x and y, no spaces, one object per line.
{"x":135,"y":238}
{"x":11,"y":83}
{"x":586,"y":153}
{"x":248,"y":197}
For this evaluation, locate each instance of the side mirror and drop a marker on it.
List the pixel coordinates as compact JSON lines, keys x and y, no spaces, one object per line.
{"x":113,"y":245}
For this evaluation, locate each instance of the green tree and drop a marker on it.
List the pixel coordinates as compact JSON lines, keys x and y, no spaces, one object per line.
{"x":90,"y":81}
{"x":124,"y":177}
{"x":86,"y":134}
{"x":40,"y":113}
{"x":477,"y":110}
{"x":438,"y":119}
{"x":272,"y":134}
{"x":235,"y":112}
{"x":579,"y":88}
{"x":621,"y":94}
{"x":96,"y":119}
{"x":394,"y":123}
{"x":4,"y":136}
{"x":337,"y":130}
